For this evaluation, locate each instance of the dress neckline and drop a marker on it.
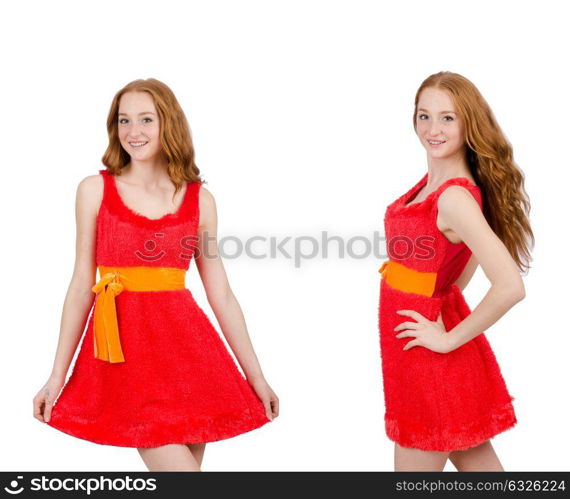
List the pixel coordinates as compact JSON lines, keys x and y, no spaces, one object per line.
{"x":187,"y":210}
{"x":410,"y":195}
{"x":140,"y":215}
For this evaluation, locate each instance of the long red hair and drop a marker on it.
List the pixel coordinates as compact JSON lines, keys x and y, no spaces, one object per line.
{"x":489,"y":154}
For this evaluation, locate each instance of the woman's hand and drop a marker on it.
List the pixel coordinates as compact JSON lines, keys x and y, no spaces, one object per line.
{"x":43,"y":401}
{"x":267,"y":396}
{"x":426,"y":333}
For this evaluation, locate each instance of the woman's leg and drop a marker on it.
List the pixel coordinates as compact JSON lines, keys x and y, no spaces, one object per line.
{"x":197,"y":451}
{"x":480,"y":458}
{"x":171,"y":457}
{"x":408,"y":459}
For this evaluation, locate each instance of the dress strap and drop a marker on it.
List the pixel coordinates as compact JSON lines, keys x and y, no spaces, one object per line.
{"x":475,"y":190}
{"x":106,"y":188}
{"x":193,"y":201}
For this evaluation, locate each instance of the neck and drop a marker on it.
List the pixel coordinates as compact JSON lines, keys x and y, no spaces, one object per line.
{"x":442,"y":169}
{"x":150,"y":173}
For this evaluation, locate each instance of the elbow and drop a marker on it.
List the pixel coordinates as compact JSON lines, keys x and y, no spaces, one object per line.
{"x":520,"y":292}
{"x":81,"y":288}
{"x":516,"y":292}
{"x":220,"y":299}
{"x":511,"y":293}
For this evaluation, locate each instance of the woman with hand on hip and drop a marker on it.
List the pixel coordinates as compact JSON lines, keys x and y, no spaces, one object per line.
{"x":444,"y":393}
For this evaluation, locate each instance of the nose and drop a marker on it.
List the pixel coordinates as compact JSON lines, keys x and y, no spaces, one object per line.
{"x":434,"y":128}
{"x":134,"y":131}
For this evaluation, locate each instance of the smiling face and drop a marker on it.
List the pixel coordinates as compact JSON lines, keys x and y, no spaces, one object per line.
{"x":438,"y":126}
{"x":138,"y":126}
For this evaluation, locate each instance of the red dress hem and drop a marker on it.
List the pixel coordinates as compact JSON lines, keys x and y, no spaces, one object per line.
{"x":453,"y":439}
{"x":185,"y":430}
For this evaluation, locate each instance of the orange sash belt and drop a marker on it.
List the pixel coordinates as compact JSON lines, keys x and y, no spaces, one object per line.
{"x":400,"y":277}
{"x":113,"y":280}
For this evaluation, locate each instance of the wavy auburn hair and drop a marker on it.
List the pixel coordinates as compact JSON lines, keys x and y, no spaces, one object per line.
{"x":175,"y":135}
{"x":489,"y":155}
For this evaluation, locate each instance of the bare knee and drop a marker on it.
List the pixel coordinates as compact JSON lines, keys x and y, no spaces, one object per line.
{"x":197,"y":451}
{"x":409,"y":459}
{"x":479,"y":458}
{"x":171,"y":457}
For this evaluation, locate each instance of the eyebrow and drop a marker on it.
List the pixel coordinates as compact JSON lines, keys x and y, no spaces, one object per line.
{"x":442,"y":112}
{"x":140,"y":114}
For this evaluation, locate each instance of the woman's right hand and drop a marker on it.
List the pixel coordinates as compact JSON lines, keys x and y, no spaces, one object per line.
{"x":43,"y":401}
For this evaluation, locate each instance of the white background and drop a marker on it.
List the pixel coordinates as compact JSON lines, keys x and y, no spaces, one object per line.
{"x":301,"y":113}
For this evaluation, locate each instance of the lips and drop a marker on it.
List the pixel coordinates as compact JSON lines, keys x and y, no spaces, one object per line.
{"x":138,"y":144}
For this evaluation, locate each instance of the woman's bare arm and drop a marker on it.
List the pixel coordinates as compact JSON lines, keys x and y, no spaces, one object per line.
{"x":224,"y":303}
{"x":79,"y":297}
{"x":467,"y":273}
{"x":459,"y":211}
{"x":218,"y":291}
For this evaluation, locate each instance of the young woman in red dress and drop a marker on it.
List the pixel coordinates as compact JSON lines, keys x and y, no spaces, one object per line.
{"x":152,"y":372}
{"x":444,"y":393}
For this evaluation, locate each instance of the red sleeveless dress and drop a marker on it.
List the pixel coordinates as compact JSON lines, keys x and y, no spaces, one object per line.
{"x":178,"y":383}
{"x":435,"y":401}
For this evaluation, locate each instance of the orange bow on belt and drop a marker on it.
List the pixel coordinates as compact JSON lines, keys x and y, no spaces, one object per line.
{"x":106,"y":341}
{"x":406,"y":279}
{"x":107,"y":345}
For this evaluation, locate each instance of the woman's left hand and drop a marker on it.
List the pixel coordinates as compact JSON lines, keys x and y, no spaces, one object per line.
{"x":267,"y":396}
{"x":426,"y":333}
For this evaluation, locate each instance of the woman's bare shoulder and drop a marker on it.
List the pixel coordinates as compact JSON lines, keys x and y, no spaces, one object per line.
{"x":206,"y":199}
{"x":207,"y":208}
{"x":90,"y":192}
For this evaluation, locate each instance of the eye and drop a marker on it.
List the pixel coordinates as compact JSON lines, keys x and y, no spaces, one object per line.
{"x":149,"y":119}
{"x":121,"y":120}
{"x":447,"y":116}
{"x":421,"y":114}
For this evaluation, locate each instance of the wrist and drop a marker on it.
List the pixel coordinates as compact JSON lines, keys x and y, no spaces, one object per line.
{"x":57,"y":376}
{"x":255,"y":378}
{"x":452,"y":341}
